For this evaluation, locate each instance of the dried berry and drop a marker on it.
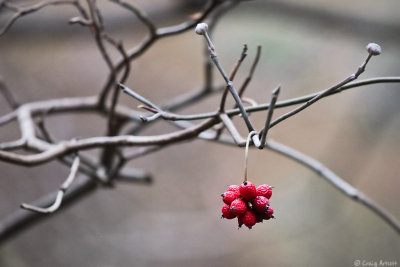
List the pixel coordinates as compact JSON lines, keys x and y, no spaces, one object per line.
{"x":238,"y":207}
{"x":260,"y":204}
{"x":249,"y":218}
{"x":264,"y":190}
{"x":247,"y":190}
{"x":227,"y":212}
{"x":249,"y":204}
{"x":234,"y":188}
{"x":229,"y":196}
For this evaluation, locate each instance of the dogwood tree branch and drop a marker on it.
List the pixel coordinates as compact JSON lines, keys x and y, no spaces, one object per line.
{"x":314,"y":165}
{"x":325,"y":92}
{"x":201,"y":29}
{"x":21,"y":219}
{"x":336,"y":181}
{"x":247,"y":81}
{"x":111,"y":165}
{"x":264,"y":131}
{"x":158,"y":34}
{"x":23,"y":11}
{"x":8,"y":95}
{"x":60,"y":194}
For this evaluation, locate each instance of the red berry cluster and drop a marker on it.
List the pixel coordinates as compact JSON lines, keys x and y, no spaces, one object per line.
{"x":248,"y":203}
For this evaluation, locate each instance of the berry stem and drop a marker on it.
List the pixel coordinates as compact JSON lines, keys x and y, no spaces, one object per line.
{"x":246,"y":154}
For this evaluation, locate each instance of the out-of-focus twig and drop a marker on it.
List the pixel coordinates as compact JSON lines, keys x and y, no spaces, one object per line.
{"x":264,"y":131}
{"x":336,"y":181}
{"x":60,"y":194}
{"x":22,"y":11}
{"x":8,"y":95}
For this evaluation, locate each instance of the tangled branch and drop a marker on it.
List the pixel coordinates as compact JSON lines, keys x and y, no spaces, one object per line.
{"x":110,"y":166}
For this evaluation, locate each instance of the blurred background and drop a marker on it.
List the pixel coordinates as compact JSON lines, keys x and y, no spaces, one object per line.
{"x":308,"y":45}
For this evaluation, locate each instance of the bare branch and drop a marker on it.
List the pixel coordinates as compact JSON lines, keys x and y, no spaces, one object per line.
{"x":264,"y":131}
{"x":134,"y":176}
{"x":21,"y":219}
{"x":323,"y":93}
{"x":232,"y":129}
{"x":252,"y":69}
{"x":336,"y":181}
{"x":60,"y":194}
{"x":8,"y":96}
{"x":138,"y":97}
{"x":43,"y":130}
{"x":323,"y":172}
{"x":20,"y":12}
{"x":231,"y":77}
{"x":139,"y":14}
{"x":19,"y":143}
{"x":213,"y":54}
{"x":112,"y":122}
{"x":186,"y":99}
{"x":288,"y":102}
{"x":160,"y":33}
{"x":103,"y":141}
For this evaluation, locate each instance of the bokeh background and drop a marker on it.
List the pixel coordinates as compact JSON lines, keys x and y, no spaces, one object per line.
{"x":308,"y":45}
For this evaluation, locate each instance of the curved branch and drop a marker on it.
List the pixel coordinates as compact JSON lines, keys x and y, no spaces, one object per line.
{"x":103,"y":141}
{"x":318,"y":168}
{"x":60,"y":194}
{"x":336,"y":181}
{"x":19,"y":12}
{"x":21,"y":219}
{"x":153,"y":37}
{"x":280,"y":104}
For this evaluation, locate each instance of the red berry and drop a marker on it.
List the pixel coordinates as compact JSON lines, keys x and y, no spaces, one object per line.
{"x":260,"y":203}
{"x":238,"y":207}
{"x":233,"y":188}
{"x":249,"y":218}
{"x":229,"y":196}
{"x":269,"y":214}
{"x":247,"y":190}
{"x":264,"y":190}
{"x":227,"y":213}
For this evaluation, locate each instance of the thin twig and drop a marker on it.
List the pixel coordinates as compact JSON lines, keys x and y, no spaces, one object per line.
{"x":60,"y":194}
{"x":282,"y":103}
{"x":249,"y":77}
{"x":320,"y":170}
{"x":83,"y":104}
{"x":231,"y":129}
{"x":22,"y":219}
{"x":16,"y":144}
{"x":143,"y":17}
{"x":232,"y":76}
{"x":160,"y":33}
{"x":8,"y":96}
{"x":229,"y":83}
{"x":138,"y":97}
{"x":43,"y":129}
{"x":66,"y":147}
{"x":323,"y":93}
{"x":264,"y":132}
{"x":336,"y":181}
{"x":20,"y":12}
{"x":114,"y":100}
